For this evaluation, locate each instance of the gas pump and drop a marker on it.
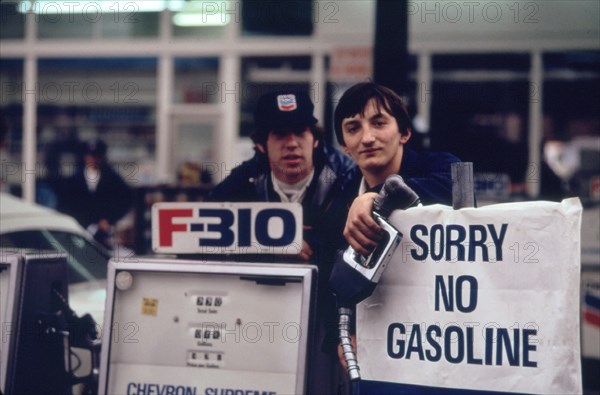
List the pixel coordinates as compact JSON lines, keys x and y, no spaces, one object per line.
{"x":39,"y":329}
{"x":226,"y":315}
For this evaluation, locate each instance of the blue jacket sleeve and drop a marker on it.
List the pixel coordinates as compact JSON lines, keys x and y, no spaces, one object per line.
{"x":429,"y":175}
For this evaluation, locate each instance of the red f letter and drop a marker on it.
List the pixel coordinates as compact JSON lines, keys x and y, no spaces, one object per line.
{"x":167,"y":227}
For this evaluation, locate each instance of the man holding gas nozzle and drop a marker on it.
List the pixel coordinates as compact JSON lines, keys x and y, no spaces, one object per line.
{"x":372,"y":126}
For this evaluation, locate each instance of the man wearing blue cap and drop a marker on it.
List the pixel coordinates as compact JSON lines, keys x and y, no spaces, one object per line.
{"x":293,"y":164}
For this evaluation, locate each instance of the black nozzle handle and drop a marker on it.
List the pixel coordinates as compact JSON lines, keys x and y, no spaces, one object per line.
{"x":395,"y":194}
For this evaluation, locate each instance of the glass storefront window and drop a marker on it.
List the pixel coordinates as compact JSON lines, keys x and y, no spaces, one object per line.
{"x":194,"y":141}
{"x":198,"y":31}
{"x":12,"y":22}
{"x":483,"y":62}
{"x":93,"y":19}
{"x":480,"y":111}
{"x":110,"y":98}
{"x":277,"y":18}
{"x":196,"y":80}
{"x":57,"y":26}
{"x":131,"y":24}
{"x":191,"y":19}
{"x":202,"y":19}
{"x":571,"y":93}
{"x":571,"y":135}
{"x":11,"y":124}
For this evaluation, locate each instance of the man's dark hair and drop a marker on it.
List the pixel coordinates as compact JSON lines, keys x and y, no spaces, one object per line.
{"x":261,"y":135}
{"x":355,"y":99}
{"x":95,"y":147}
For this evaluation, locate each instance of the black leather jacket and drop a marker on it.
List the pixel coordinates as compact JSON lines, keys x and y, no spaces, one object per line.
{"x":251,"y":182}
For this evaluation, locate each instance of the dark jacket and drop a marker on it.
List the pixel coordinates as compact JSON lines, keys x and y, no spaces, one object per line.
{"x":111,"y":200}
{"x":251,"y":182}
{"x":427,"y":173}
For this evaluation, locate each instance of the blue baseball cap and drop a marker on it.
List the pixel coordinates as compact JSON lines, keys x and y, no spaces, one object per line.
{"x":282,"y":109}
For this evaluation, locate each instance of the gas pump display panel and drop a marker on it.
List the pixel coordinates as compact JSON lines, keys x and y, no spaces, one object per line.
{"x":197,"y":327}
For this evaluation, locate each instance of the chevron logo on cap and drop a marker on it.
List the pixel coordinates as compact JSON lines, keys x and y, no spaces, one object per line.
{"x":287,"y":102}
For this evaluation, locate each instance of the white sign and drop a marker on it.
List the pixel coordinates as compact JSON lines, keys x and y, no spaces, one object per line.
{"x":227,"y":228}
{"x":479,"y":299}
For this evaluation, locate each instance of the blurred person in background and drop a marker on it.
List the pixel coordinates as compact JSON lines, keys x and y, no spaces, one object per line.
{"x":95,"y":195}
{"x":292,"y":163}
{"x":62,"y":158}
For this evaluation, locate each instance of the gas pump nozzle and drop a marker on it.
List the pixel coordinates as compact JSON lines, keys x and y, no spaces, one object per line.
{"x":355,"y":276}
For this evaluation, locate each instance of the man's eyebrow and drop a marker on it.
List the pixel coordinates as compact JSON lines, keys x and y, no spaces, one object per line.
{"x":374,"y":117}
{"x":349,"y":121}
{"x":378,"y":116}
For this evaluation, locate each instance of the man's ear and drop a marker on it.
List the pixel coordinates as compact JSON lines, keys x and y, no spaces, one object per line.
{"x":261,"y":148}
{"x":316,"y":143}
{"x":406,"y":136}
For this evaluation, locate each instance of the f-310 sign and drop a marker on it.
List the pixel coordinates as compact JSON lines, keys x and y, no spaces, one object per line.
{"x":227,"y":228}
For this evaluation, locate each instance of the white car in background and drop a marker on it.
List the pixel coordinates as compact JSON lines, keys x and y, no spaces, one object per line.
{"x":26,"y":226}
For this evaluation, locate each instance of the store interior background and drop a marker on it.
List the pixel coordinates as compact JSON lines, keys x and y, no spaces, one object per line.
{"x":171,"y":85}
